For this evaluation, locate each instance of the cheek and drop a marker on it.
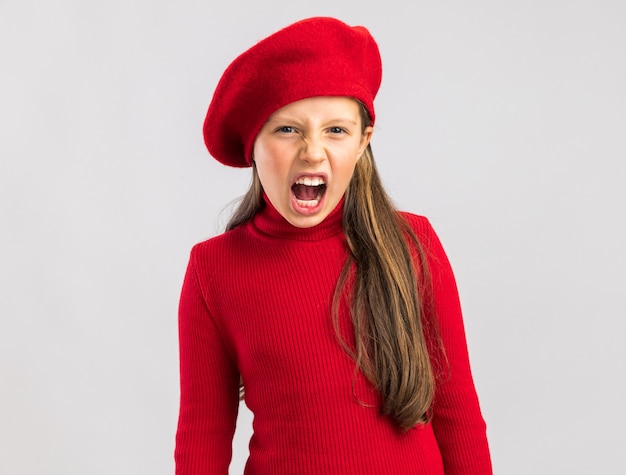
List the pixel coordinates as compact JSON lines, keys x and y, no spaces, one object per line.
{"x":270,"y":168}
{"x":346,"y":170}
{"x":349,"y":173}
{"x":265,"y":174}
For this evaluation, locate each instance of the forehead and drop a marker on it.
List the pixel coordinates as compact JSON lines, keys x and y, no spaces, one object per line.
{"x":335,"y":107}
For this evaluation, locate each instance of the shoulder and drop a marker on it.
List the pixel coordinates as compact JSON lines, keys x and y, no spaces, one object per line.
{"x":213,"y":256}
{"x":219,"y":244}
{"x":427,"y":238}
{"x":421,"y":226}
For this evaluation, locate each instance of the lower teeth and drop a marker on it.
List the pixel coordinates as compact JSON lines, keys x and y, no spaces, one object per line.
{"x":307,"y":203}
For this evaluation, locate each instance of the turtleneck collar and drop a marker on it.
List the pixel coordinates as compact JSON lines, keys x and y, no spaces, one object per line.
{"x":270,"y":222}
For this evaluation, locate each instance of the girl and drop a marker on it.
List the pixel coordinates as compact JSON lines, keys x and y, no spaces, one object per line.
{"x":335,"y":317}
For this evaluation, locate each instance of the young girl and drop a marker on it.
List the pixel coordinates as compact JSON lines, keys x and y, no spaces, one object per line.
{"x":335,"y":317}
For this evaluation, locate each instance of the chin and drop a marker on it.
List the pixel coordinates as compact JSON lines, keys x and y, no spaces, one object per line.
{"x":300,"y":221}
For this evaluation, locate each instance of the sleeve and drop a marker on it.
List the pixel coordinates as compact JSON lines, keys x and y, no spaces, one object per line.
{"x":209,"y":387}
{"x":457,"y":420}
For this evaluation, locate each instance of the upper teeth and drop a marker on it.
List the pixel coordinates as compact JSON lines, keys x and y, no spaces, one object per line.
{"x":310,"y":181}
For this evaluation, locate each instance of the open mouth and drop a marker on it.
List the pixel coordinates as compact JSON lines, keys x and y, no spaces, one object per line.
{"x":308,"y":191}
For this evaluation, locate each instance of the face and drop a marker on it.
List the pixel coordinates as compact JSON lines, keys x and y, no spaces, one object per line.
{"x":305,"y":156}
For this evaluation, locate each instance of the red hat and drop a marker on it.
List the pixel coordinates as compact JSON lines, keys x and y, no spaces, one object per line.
{"x":313,"y":57}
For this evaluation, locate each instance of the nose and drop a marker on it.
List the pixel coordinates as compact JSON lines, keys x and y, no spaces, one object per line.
{"x":313,"y":150}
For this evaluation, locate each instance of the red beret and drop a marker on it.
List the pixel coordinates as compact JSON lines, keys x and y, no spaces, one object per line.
{"x":314,"y":57}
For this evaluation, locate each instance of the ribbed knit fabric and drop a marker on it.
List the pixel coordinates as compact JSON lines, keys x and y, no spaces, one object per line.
{"x":256,"y":302}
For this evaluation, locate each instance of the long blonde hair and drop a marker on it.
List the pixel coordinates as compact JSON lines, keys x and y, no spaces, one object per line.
{"x":388,"y":293}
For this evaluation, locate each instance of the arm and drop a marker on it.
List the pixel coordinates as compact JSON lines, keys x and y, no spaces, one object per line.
{"x":457,"y":420}
{"x":209,"y":387}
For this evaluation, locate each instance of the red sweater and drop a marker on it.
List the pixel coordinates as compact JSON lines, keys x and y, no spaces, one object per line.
{"x":256,"y":302}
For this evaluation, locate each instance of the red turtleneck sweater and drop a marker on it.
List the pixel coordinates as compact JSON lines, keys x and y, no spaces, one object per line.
{"x":256,"y":302}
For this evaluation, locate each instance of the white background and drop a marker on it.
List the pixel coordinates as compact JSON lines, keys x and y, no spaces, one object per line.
{"x":503,"y":122}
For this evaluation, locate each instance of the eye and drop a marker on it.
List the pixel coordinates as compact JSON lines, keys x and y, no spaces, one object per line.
{"x":286,"y":129}
{"x":337,"y":130}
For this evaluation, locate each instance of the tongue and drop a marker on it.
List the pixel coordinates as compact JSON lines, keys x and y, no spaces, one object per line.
{"x":304,"y":192}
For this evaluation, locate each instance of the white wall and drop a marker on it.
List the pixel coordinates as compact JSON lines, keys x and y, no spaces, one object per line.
{"x":504,"y":122}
